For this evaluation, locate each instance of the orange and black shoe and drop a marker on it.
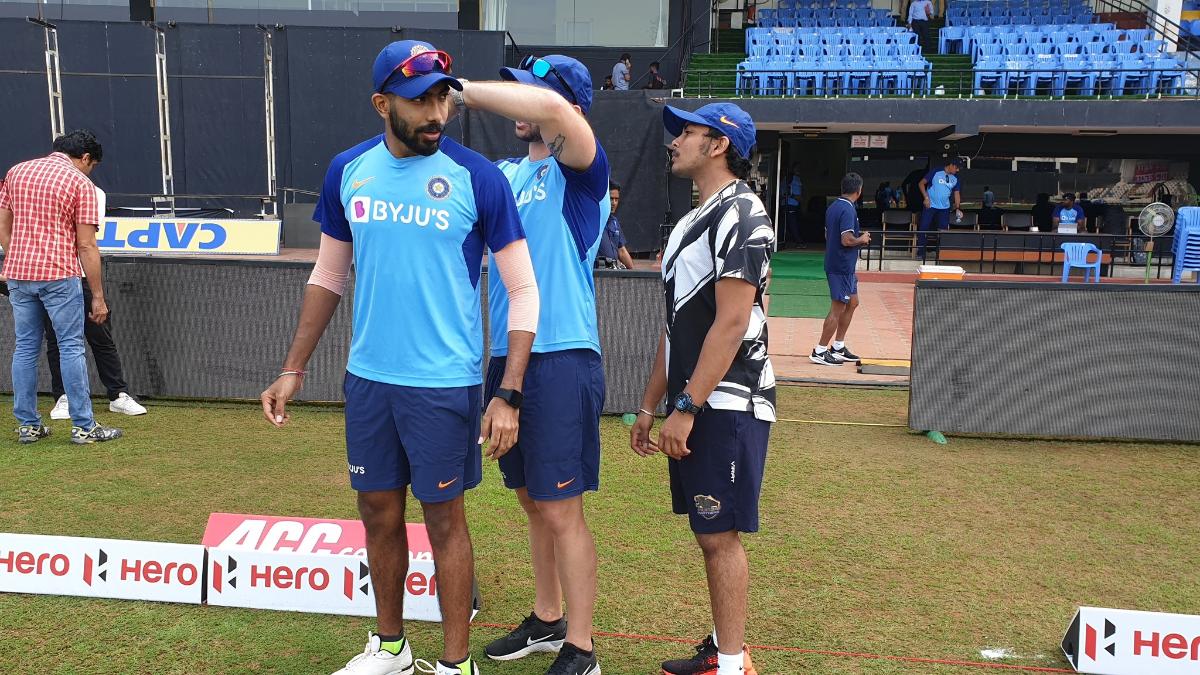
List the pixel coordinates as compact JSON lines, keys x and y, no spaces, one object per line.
{"x":705,"y":661}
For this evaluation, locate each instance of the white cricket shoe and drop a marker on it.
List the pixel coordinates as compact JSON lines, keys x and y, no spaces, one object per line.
{"x":123,"y":404}
{"x":376,"y":661}
{"x":60,"y":411}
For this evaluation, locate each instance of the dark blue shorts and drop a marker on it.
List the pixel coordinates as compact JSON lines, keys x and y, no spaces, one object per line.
{"x":717,"y":486}
{"x":935,"y":218}
{"x":424,"y":437}
{"x":558,"y":451}
{"x":842,"y":286}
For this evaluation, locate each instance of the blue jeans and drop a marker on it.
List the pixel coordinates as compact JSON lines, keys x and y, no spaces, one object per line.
{"x":62,"y":300}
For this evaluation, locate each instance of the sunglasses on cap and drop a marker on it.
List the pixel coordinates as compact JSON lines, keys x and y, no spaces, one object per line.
{"x":541,"y":68}
{"x":423,"y":63}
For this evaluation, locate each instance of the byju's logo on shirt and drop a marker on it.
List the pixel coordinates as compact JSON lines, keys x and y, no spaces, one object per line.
{"x":365,"y":210}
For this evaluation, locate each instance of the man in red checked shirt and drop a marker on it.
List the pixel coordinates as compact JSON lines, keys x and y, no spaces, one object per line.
{"x":48,"y":222}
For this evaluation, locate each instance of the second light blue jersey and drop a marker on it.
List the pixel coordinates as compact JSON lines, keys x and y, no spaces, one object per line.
{"x":940,"y":186}
{"x":562,"y":211}
{"x":419,"y":226}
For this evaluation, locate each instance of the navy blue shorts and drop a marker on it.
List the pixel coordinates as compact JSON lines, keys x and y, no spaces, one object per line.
{"x":935,"y":218}
{"x":717,"y":486}
{"x":842,"y":286}
{"x":418,"y":436}
{"x":558,"y":451}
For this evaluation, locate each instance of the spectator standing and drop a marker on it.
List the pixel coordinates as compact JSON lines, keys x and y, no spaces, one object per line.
{"x":843,"y":238}
{"x":104,"y":350}
{"x":612,"y":241}
{"x":656,"y":81}
{"x":608,"y":84}
{"x":940,"y":193}
{"x":989,"y":197}
{"x":919,"y":14}
{"x":1068,"y":217}
{"x":1042,"y":212}
{"x":795,"y":191}
{"x":620,"y":73}
{"x":48,"y":222}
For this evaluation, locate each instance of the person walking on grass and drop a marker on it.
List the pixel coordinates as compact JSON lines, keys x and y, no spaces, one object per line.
{"x":415,"y":210}
{"x":712,"y":366}
{"x":48,"y":220}
{"x":843,"y":238}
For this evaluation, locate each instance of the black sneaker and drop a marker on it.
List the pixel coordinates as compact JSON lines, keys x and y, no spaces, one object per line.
{"x":97,"y":434}
{"x":530,"y":637}
{"x":703,"y":663}
{"x":825,"y":358}
{"x":572,"y":661}
{"x":28,"y":433}
{"x":844,"y":354}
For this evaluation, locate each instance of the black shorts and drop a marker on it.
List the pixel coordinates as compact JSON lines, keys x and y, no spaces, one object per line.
{"x":718,"y":485}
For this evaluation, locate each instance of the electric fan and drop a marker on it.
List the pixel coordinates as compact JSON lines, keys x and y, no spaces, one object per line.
{"x":1154,"y":221}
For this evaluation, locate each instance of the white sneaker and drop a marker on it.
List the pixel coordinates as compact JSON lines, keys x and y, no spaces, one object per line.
{"x":60,"y":411}
{"x":376,"y":661}
{"x":124,"y":404}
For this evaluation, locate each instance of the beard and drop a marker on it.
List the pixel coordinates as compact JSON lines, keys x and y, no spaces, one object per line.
{"x":533,"y":134}
{"x":411,"y":137}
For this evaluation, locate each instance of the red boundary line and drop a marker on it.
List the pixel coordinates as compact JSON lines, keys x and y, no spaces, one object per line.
{"x":821,"y":652}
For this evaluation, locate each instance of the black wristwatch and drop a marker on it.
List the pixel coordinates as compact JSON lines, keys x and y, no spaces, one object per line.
{"x":684,"y":404}
{"x":510,"y":396}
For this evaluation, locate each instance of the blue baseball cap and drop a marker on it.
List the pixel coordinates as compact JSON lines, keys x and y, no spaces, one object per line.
{"x":726,"y":118}
{"x":389,"y":81}
{"x":575,"y":84}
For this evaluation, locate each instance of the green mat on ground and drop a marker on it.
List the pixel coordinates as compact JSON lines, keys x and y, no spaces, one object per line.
{"x":798,"y":287}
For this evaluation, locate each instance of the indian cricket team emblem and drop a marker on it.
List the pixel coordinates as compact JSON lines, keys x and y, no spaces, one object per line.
{"x":707,"y":507}
{"x":417,"y":49}
{"x":541,"y":172}
{"x":438,"y":188}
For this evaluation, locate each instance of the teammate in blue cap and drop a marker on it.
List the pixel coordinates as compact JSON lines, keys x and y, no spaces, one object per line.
{"x":414,"y":211}
{"x":562,"y":195}
{"x":712,"y":366}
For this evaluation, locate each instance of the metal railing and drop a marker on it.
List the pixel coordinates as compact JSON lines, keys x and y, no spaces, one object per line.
{"x":1008,"y":252}
{"x":868,"y":82}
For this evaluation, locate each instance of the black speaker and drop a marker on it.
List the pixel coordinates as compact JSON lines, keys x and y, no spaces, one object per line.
{"x":141,"y":10}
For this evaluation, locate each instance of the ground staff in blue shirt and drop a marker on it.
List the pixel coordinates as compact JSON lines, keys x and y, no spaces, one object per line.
{"x":414,"y":210}
{"x":843,"y":238}
{"x":939,"y":189}
{"x":562,"y":194}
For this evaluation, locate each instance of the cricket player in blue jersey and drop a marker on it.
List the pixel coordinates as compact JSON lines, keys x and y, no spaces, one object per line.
{"x":414,"y":211}
{"x":561,"y":188}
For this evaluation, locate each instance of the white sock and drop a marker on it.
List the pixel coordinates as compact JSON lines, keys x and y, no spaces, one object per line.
{"x":820,"y":349}
{"x":839,"y":345}
{"x":730,"y":664}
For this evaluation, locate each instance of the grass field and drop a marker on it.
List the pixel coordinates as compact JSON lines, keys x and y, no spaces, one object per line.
{"x":873,"y":540}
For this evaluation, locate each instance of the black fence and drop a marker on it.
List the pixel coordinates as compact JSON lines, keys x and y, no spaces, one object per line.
{"x":1055,"y":360}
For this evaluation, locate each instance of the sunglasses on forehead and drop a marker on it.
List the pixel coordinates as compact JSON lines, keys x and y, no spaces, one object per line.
{"x":421,"y":64}
{"x":541,"y":68}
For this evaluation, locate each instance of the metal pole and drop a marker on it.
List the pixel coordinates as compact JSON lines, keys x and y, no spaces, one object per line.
{"x":164,"y":116}
{"x":53,"y":78}
{"x":269,"y":110}
{"x":777,"y":195}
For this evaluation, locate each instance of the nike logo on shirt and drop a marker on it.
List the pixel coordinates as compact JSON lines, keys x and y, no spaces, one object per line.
{"x":359,"y":183}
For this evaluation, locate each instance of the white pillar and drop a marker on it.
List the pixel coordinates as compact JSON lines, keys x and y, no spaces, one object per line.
{"x":1170,"y":10}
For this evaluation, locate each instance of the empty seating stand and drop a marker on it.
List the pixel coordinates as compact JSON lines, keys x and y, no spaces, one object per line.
{"x":833,"y":61}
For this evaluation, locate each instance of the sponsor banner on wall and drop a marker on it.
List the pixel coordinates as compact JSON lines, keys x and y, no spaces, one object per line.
{"x":101,"y":568}
{"x":1104,"y":641}
{"x":184,"y":236}
{"x":238,"y":531}
{"x":322,"y":583}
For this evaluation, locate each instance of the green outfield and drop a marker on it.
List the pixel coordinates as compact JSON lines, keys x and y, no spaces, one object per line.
{"x":874,"y":540}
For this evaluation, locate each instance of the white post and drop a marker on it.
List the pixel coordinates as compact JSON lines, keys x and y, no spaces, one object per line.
{"x":269,"y":112}
{"x":164,"y":116}
{"x":54,"y":81}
